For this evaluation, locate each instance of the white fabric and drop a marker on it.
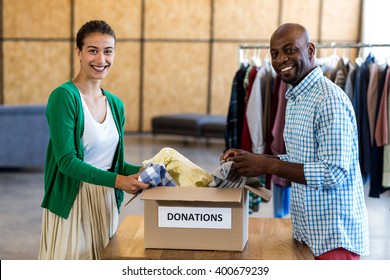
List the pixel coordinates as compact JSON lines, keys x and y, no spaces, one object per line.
{"x":254,"y":115}
{"x":100,"y":140}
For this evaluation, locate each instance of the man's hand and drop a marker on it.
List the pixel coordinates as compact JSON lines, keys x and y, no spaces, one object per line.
{"x":233,"y":153}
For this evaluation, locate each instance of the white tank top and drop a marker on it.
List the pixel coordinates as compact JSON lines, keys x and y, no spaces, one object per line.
{"x":100,"y":140}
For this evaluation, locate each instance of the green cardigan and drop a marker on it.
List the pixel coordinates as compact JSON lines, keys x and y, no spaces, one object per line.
{"x":64,"y":166}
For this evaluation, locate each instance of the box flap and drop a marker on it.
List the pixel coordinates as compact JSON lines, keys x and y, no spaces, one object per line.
{"x":192,"y":194}
{"x":264,"y":193}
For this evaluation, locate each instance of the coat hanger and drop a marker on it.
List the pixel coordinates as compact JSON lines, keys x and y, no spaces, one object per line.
{"x":359,"y":59}
{"x":256,"y":57}
{"x":244,"y":57}
{"x":346,"y":55}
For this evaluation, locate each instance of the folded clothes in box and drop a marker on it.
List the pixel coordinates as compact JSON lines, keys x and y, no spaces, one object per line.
{"x":210,"y":214}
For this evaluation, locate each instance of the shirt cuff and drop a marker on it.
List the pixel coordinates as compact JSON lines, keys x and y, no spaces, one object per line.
{"x":314,"y":174}
{"x":283,"y":157}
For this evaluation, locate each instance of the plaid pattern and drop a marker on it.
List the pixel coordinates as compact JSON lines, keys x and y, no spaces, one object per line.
{"x":321,"y":132}
{"x":254,"y":199}
{"x":227,"y":177}
{"x":236,"y":111}
{"x":156,"y":175}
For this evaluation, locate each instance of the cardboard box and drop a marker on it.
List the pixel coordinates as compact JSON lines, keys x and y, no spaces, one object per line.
{"x":197,"y":218}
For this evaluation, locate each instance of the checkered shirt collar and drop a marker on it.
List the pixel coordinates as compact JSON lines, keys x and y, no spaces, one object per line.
{"x":305,"y":85}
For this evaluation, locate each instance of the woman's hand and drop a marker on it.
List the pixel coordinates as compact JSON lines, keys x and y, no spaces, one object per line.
{"x":129,"y":184}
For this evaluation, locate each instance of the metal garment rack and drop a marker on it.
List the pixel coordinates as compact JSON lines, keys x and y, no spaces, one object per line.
{"x":318,"y":46}
{"x":329,"y":46}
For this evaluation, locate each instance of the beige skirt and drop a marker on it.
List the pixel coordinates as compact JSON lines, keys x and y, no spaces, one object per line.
{"x":92,"y":221}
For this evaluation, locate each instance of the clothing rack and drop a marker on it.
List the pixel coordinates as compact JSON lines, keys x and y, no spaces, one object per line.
{"x":366,"y":155}
{"x":318,"y":46}
{"x":325,"y":46}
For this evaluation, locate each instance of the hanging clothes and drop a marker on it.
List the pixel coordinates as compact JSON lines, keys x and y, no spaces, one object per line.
{"x":382,"y":133}
{"x":359,"y":103}
{"x":254,"y":114}
{"x":340,"y":73}
{"x":364,"y":82}
{"x":280,"y":187}
{"x":246,"y":141}
{"x":376,"y":174}
{"x":281,"y":198}
{"x":237,"y":131}
{"x":235,"y":117}
{"x":372,"y":97}
{"x":381,"y":130}
{"x":385,"y":140}
{"x":267,"y":91}
{"x":350,"y":80}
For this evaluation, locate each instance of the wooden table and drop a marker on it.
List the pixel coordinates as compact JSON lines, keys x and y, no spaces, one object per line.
{"x":268,"y":239}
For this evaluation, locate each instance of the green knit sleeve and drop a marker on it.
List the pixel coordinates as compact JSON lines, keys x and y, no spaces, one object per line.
{"x":131,"y":169}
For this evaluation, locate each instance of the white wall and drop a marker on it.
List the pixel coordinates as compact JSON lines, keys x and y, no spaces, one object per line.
{"x":375,"y":27}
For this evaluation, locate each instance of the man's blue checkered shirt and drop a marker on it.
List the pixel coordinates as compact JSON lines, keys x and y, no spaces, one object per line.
{"x":320,"y":132}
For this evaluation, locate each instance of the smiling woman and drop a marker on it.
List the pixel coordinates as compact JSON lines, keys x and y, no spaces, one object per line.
{"x":85,"y":171}
{"x":96,"y":58}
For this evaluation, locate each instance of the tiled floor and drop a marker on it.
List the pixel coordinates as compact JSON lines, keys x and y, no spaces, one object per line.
{"x":21,"y":193}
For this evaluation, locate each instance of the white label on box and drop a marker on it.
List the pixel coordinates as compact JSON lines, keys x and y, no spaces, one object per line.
{"x":195,"y":217}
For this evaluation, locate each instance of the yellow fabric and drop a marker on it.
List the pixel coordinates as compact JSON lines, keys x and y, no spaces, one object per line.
{"x":182,"y":170}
